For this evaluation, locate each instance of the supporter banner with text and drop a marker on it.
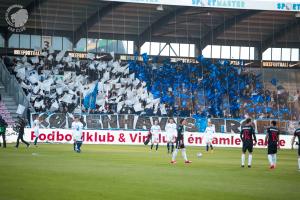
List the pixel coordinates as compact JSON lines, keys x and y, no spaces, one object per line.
{"x":136,"y":122}
{"x":138,"y":137}
{"x":274,"y":5}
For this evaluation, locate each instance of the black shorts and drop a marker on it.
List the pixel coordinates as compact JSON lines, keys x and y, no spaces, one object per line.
{"x":247,"y":147}
{"x":298,"y":150}
{"x":179,"y":144}
{"x":272,"y":148}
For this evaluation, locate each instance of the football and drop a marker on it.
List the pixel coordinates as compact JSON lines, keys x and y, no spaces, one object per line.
{"x":199,"y":155}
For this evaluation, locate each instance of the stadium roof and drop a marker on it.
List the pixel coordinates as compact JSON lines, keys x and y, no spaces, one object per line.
{"x":144,"y":22}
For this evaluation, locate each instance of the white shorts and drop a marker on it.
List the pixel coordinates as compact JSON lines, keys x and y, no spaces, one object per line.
{"x":154,"y":139}
{"x":208,"y":139}
{"x":170,"y":138}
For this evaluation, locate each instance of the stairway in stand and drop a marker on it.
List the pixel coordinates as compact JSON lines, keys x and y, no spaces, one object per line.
{"x":8,"y":107}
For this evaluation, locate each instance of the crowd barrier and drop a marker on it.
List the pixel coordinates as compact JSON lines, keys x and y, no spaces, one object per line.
{"x":125,"y":137}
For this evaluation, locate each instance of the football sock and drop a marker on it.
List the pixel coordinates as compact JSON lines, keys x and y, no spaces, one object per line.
{"x":74,"y":146}
{"x":152,"y":146}
{"x":156,"y":147}
{"x":299,"y":163}
{"x":207,"y":147}
{"x":270,"y":159}
{"x":79,"y":146}
{"x":172,"y":147}
{"x":249,"y":159}
{"x":168,"y":146}
{"x":174,"y":154}
{"x":211,"y":147}
{"x":183,"y":151}
{"x":274,"y":159}
{"x":35,"y":141}
{"x":243,"y":159}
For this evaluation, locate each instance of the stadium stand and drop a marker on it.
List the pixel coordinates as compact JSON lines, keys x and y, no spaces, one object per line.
{"x":58,"y":83}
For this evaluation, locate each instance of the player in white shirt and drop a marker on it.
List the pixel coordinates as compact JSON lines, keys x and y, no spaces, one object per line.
{"x":36,"y":129}
{"x":77,"y":127}
{"x":155,"y":131}
{"x":171,"y":130}
{"x":209,"y":131}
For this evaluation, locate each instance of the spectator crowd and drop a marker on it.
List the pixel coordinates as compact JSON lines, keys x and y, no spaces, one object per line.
{"x":60,"y":83}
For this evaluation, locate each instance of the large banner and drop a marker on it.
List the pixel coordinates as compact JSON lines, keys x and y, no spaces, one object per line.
{"x":273,"y":5}
{"x":136,"y":122}
{"x":138,"y":137}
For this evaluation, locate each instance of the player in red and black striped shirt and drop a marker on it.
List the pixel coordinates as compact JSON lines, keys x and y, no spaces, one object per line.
{"x":272,"y":138}
{"x":297,"y":134}
{"x":247,"y":136}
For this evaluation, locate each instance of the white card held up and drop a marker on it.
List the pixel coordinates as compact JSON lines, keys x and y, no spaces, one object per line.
{"x":54,"y":107}
{"x":138,"y":107}
{"x":60,"y":55}
{"x":35,"y":60}
{"x":20,"y":109}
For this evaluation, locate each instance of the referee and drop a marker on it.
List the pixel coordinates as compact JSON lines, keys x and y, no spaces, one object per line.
{"x":297,"y":134}
{"x":21,"y":126}
{"x":180,"y":143}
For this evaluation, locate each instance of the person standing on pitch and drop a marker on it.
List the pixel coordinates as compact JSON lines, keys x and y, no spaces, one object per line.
{"x":209,"y":131}
{"x":155,"y":131}
{"x":77,"y":127}
{"x":247,"y":136}
{"x":180,"y":143}
{"x":297,"y":134}
{"x":20,"y":127}
{"x":36,"y":129}
{"x":272,"y":139}
{"x":3,"y":126}
{"x":171,"y":131}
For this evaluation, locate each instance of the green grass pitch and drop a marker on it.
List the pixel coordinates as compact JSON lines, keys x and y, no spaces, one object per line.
{"x":54,"y":171}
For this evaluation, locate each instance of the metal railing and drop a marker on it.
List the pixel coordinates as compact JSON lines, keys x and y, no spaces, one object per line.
{"x":13,"y":88}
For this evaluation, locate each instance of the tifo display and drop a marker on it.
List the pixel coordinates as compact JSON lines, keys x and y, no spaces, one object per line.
{"x":59,"y":83}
